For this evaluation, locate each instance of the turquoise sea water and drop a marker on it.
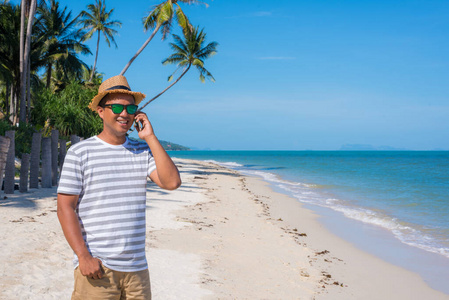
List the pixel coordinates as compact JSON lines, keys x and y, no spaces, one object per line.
{"x":404,"y":192}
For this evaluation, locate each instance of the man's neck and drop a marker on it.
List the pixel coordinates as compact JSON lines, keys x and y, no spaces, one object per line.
{"x":112,"y":139}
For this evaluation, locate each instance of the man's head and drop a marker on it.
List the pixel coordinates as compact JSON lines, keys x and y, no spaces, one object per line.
{"x":117,"y":111}
{"x":116,"y":104}
{"x":114,"y":85}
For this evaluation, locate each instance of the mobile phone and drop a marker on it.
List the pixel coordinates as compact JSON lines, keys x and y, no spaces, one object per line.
{"x":139,"y":126}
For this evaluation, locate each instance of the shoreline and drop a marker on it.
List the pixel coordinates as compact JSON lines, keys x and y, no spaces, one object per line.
{"x":381,"y":243}
{"x":369,"y":236}
{"x":433,"y":268}
{"x":337,"y":181}
{"x":330,"y":261}
{"x":222,"y":235}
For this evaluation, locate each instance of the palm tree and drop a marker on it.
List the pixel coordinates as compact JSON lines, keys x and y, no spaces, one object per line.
{"x":10,"y":54}
{"x":189,"y":52}
{"x":10,"y":21}
{"x":23,"y":9}
{"x":90,"y":80}
{"x":61,"y":41}
{"x":25,"y":50}
{"x":97,"y":20}
{"x":162,"y":16}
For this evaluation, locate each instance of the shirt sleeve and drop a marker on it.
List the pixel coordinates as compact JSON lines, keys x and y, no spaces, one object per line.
{"x":71,"y":181}
{"x":151,"y":163}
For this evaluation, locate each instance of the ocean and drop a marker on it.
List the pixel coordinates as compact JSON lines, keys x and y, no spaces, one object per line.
{"x":405,"y":193}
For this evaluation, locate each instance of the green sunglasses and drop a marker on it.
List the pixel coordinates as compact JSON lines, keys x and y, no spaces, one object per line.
{"x":118,"y":108}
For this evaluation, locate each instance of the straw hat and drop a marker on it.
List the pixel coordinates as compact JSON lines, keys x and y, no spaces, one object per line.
{"x":116,"y":84}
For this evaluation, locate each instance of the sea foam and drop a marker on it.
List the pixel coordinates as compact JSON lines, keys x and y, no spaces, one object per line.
{"x":312,"y":194}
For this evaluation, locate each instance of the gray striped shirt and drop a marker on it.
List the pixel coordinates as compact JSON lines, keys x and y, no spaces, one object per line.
{"x":111,"y":183}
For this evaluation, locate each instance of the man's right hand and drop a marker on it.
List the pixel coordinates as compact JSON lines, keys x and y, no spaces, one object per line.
{"x":90,"y":267}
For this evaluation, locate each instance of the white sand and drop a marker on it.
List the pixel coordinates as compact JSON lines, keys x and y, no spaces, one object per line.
{"x":258,"y":244}
{"x":174,"y":274}
{"x":34,"y":259}
{"x":220,"y":236}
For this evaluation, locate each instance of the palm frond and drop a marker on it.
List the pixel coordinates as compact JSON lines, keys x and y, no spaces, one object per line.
{"x":150,"y":21}
{"x":198,"y":62}
{"x":161,"y":18}
{"x":205,"y":74}
{"x":182,"y":20}
{"x":166,"y":13}
{"x":189,"y":51}
{"x":174,"y":59}
{"x":166,"y":28}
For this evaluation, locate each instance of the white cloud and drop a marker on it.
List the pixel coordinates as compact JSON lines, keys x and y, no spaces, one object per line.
{"x":262,"y":13}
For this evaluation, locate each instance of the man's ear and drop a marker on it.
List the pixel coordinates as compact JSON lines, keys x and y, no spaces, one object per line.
{"x":100,"y":111}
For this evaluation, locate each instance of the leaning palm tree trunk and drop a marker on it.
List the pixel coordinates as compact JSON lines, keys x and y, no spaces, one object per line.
{"x":21,"y":51}
{"x":141,"y":49}
{"x":49,"y":66}
{"x":26,"y":61}
{"x":158,"y":95}
{"x":29,"y":89}
{"x":12,"y":106}
{"x":7,"y":90}
{"x":96,"y":57}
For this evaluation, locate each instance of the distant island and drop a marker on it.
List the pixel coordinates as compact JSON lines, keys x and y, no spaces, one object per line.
{"x":366,"y":147}
{"x":173,"y":146}
{"x":167,"y":145}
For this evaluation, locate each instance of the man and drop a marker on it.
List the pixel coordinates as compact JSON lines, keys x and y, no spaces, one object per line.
{"x":102,"y":197}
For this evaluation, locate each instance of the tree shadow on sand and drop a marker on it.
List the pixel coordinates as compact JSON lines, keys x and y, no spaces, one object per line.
{"x":25,"y":200}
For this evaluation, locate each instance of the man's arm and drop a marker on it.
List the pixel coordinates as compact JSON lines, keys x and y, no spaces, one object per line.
{"x":89,"y":266}
{"x":166,"y":174}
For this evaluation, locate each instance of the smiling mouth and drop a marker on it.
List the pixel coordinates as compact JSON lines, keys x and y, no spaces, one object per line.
{"x":123,"y":122}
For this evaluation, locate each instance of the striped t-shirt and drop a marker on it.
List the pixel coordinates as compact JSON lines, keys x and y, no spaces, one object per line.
{"x":111,"y":183}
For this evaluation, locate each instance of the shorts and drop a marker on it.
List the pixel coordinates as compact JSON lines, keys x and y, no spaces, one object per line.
{"x":113,"y":285}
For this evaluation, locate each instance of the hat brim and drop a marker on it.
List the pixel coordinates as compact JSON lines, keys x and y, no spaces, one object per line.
{"x":138,"y":97}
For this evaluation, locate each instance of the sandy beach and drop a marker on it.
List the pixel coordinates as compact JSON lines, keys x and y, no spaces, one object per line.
{"x":221,"y":235}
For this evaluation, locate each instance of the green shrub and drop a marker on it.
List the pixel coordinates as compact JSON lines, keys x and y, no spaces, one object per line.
{"x":5,"y":125}
{"x":68,"y":111}
{"x":23,"y":136}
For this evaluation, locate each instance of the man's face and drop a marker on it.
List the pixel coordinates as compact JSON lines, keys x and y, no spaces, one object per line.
{"x":116,"y":124}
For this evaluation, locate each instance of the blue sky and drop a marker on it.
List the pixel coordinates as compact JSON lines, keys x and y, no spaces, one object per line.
{"x":296,"y":74}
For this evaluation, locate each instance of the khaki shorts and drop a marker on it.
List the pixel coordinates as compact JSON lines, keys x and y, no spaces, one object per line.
{"x":113,"y":285}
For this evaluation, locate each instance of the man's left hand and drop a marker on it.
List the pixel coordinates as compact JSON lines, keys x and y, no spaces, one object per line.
{"x":143,"y":126}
